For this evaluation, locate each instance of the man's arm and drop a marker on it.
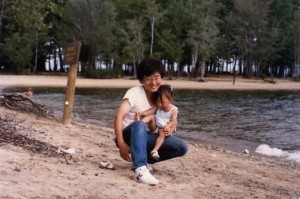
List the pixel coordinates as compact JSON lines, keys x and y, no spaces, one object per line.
{"x":122,"y":111}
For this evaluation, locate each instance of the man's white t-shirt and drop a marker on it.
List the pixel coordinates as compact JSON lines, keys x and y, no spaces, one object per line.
{"x":138,"y":101}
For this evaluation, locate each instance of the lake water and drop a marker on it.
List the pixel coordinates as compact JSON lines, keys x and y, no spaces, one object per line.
{"x":237,"y":120}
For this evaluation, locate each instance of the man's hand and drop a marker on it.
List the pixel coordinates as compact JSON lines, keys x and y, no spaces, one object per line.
{"x":125,"y":152}
{"x":137,"y":116}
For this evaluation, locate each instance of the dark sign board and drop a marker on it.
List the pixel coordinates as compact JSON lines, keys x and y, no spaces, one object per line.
{"x":72,"y":53}
{"x":84,"y":53}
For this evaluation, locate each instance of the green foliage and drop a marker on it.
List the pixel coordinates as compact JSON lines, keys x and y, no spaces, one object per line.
{"x":248,"y":33}
{"x":202,"y":32}
{"x":282,"y":15}
{"x":170,"y":46}
{"x":19,"y":49}
{"x":261,"y":33}
{"x":25,"y":30}
{"x":92,"y":22}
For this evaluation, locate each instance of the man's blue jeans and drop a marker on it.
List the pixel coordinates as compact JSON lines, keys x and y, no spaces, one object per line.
{"x":141,"y":142}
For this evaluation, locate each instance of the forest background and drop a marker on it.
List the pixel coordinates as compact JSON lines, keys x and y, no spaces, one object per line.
{"x":194,"y":38}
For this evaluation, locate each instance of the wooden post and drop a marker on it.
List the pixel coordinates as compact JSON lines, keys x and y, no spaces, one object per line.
{"x":70,"y":94}
{"x":71,"y":57}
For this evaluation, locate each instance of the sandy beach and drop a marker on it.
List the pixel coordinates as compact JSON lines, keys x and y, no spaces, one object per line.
{"x":28,"y":171}
{"x":211,"y":83}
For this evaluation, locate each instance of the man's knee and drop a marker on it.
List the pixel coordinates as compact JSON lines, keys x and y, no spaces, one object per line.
{"x":138,"y":125}
{"x":184,"y":148}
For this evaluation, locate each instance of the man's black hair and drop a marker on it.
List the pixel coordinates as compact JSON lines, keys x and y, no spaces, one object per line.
{"x":149,"y":66}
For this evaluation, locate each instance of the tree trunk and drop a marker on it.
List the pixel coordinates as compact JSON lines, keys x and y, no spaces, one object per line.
{"x":36,"y":53}
{"x":55,"y":60}
{"x":234,"y":73}
{"x":152,"y":19}
{"x":134,"y":67}
{"x":194,"y":61}
{"x":60,"y":60}
{"x":202,"y":71}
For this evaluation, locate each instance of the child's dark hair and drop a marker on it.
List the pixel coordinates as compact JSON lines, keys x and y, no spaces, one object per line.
{"x":164,"y":91}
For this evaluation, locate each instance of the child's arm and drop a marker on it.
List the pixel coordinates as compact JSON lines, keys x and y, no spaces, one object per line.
{"x":150,"y":120}
{"x":171,"y":126}
{"x":144,"y":115}
{"x":147,"y":117}
{"x":150,"y":111}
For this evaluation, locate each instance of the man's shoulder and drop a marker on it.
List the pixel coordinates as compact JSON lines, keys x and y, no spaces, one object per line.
{"x":136,"y":88}
{"x":134,"y":92}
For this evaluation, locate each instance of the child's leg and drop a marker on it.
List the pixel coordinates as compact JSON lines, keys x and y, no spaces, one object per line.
{"x":147,"y":118}
{"x":160,"y":140}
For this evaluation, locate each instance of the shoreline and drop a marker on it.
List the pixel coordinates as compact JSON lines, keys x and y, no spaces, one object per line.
{"x":212,"y":83}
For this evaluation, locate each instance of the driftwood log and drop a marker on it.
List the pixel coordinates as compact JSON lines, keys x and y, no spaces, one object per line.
{"x":23,"y":103}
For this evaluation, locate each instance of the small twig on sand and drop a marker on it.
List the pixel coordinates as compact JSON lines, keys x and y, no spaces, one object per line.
{"x":65,"y":158}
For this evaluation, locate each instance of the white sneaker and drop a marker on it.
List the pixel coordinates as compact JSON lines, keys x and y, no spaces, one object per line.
{"x":150,"y":168}
{"x":142,"y":175}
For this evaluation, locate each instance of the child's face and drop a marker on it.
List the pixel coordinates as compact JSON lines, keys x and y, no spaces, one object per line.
{"x":164,"y":104}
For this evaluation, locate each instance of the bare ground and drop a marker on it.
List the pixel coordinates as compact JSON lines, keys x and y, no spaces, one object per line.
{"x":33,"y":169}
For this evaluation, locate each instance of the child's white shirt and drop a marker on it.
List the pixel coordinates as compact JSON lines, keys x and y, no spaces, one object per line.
{"x":163,"y":118}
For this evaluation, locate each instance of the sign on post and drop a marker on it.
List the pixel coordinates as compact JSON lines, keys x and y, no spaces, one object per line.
{"x":71,"y":57}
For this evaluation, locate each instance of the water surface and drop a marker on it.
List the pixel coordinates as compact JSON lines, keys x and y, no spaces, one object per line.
{"x":232,"y":119}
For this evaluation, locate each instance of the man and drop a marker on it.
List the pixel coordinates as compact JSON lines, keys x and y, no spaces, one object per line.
{"x":133,"y":138}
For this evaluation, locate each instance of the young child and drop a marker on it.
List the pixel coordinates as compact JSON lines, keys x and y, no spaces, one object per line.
{"x":165,"y":118}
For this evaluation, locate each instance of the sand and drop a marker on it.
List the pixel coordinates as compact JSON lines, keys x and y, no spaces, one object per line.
{"x":205,"y":172}
{"x":223,"y":82}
